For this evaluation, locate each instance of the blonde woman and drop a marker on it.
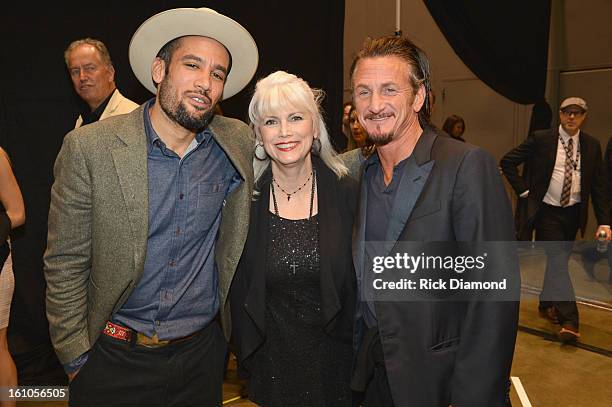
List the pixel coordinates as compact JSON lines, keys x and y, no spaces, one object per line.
{"x":11,"y":216}
{"x":293,"y":295}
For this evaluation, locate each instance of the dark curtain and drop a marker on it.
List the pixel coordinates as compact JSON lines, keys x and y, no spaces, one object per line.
{"x":39,"y":107}
{"x":505,"y":43}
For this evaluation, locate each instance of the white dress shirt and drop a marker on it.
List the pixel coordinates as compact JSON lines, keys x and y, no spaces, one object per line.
{"x":553,"y":194}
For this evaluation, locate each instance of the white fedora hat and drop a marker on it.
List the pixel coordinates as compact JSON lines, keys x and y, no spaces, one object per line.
{"x":163,"y":27}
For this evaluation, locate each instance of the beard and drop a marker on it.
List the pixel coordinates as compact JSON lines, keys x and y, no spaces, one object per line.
{"x":178,"y":112}
{"x":379,"y":139}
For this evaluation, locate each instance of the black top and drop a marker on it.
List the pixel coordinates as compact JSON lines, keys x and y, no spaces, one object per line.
{"x":332,"y":285}
{"x":298,"y":364}
{"x":90,"y":117}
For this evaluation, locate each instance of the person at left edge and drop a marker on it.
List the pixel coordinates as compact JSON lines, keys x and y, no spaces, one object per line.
{"x":149,"y":213}
{"x":93,"y":77}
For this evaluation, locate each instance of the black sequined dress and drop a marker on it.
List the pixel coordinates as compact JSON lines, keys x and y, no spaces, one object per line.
{"x":298,"y":364}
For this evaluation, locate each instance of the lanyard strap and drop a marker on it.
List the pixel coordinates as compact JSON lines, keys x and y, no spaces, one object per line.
{"x":570,"y":154}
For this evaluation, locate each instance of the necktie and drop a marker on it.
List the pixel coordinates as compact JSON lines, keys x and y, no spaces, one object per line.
{"x":569,"y":168}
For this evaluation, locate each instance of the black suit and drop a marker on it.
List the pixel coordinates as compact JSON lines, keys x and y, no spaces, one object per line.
{"x":608,"y":161}
{"x":551,"y":223}
{"x":336,"y":211}
{"x":441,"y":353}
{"x":539,"y":152}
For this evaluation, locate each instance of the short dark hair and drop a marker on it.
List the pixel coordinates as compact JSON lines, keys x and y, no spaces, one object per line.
{"x":167,"y":52}
{"x":416,"y":58}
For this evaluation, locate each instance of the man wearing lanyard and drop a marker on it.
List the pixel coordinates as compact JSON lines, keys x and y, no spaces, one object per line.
{"x":567,"y":170}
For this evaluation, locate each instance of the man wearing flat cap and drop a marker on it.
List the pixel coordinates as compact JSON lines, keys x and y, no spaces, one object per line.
{"x":149,"y":214}
{"x":566,"y":171}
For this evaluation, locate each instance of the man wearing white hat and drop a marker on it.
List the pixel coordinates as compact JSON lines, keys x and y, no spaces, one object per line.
{"x":567,"y":170}
{"x":148,"y":218}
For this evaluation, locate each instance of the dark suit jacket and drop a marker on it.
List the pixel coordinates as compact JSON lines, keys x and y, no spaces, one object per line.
{"x":441,"y":353}
{"x":608,"y":161}
{"x":539,"y":152}
{"x":337,"y":201}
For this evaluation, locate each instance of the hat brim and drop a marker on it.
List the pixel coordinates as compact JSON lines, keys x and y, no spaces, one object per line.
{"x":160,"y":29}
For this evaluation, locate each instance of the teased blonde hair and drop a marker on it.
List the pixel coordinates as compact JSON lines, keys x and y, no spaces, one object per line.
{"x":279,"y":91}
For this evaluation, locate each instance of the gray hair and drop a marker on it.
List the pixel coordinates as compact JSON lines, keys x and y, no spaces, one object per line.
{"x":279,"y":90}
{"x":97,"y":44}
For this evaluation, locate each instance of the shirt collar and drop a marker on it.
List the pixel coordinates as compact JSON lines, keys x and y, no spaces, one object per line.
{"x":202,"y":137}
{"x":566,"y":136}
{"x":374,"y":160}
{"x":89,"y":116}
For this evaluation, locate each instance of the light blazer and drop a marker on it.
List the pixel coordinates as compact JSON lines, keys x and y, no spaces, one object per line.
{"x":442,"y":353}
{"x":539,"y":152}
{"x":98,"y":224}
{"x":118,"y":104}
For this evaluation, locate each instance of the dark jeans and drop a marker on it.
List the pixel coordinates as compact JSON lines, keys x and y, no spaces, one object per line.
{"x":185,"y":373}
{"x":556,"y":224}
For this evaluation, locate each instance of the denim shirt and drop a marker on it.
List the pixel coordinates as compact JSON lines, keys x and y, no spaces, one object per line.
{"x":178,"y":292}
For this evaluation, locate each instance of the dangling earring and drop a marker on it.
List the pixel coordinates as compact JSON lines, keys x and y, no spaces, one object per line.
{"x":316,"y":147}
{"x":260,"y":152}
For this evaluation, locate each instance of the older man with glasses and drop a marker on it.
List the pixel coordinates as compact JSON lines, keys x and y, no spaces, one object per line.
{"x":567,"y":170}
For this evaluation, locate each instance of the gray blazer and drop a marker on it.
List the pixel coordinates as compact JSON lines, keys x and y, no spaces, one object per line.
{"x":98,"y":224}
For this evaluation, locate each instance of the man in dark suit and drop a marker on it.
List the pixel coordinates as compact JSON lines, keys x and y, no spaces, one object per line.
{"x":421,"y":187}
{"x":566,"y":170}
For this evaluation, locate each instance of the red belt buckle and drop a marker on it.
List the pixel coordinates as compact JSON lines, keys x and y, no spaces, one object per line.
{"x":117,"y":332}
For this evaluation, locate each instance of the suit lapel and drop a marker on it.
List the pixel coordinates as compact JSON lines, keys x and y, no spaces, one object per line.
{"x":112,"y":105}
{"x":551,"y":152}
{"x":413,"y":179}
{"x":224,"y":135}
{"x":330,"y":235}
{"x":255,"y":253}
{"x":131,"y":166}
{"x":359,"y":229}
{"x":586,"y":166}
{"x":410,"y":187}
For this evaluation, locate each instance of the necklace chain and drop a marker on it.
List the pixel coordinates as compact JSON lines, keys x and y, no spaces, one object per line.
{"x":313,"y":175}
{"x":289,"y":194}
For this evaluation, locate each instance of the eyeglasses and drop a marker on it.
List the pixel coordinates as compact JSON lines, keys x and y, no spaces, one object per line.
{"x":572,"y":112}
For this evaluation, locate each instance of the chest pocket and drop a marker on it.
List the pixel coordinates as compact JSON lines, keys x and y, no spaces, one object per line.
{"x":206,"y":204}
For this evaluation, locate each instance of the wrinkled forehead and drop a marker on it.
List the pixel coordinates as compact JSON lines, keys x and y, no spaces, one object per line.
{"x":383,"y":69}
